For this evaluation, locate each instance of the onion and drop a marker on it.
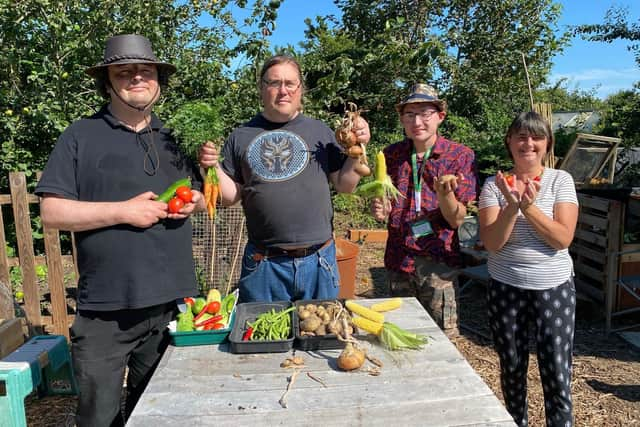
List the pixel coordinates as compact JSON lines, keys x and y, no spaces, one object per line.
{"x":351,"y":358}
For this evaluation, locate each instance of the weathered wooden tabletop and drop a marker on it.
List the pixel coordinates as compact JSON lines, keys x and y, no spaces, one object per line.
{"x":207,"y":385}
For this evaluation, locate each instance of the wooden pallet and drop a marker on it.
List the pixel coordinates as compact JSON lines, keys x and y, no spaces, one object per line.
{"x":598,"y":235}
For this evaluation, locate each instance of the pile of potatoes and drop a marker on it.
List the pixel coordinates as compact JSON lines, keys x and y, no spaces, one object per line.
{"x":324,"y":319}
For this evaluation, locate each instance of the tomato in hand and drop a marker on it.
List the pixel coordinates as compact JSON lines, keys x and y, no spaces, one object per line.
{"x":175,"y":204}
{"x":537,"y":178}
{"x":511,"y":179}
{"x":184,"y":193}
{"x":213,"y":307}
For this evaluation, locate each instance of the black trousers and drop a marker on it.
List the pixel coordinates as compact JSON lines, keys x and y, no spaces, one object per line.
{"x":104,"y":344}
{"x":552,"y":312}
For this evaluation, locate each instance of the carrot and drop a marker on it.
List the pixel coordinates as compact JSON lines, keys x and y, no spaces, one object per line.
{"x":206,"y":190}
{"x":211,"y":202}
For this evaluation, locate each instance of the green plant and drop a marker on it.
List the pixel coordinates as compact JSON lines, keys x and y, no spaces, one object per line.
{"x":195,"y":123}
{"x":356,"y":209}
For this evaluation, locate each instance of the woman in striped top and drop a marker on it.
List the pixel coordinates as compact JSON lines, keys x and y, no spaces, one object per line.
{"x":527,"y":221}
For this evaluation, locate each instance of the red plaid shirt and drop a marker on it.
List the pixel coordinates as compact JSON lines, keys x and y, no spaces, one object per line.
{"x":442,"y":245}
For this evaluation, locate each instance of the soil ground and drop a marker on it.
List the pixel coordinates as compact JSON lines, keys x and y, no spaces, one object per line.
{"x":606,"y":376}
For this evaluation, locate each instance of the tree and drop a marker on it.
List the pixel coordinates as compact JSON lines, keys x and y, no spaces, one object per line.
{"x":620,"y":117}
{"x":470,"y":50}
{"x":615,"y":27}
{"x":45,"y":47}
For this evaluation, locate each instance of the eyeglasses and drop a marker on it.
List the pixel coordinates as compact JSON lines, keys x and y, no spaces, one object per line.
{"x":425,"y":115}
{"x":289,"y":85}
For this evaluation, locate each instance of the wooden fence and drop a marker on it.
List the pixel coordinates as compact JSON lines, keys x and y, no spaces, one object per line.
{"x":45,"y":301}
{"x":59,"y":320}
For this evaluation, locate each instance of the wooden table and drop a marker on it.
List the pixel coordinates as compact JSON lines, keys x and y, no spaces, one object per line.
{"x":207,"y":385}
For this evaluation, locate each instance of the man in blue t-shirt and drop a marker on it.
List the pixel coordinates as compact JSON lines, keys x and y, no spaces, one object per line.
{"x":134,"y":257}
{"x":280,"y":165}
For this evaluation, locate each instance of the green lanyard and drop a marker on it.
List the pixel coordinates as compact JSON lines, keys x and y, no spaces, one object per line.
{"x":417,"y":176}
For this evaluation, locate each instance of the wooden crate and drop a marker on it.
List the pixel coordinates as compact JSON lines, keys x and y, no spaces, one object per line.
{"x":361,"y":235}
{"x":629,"y":266}
{"x":598,"y":235}
{"x":11,"y":336}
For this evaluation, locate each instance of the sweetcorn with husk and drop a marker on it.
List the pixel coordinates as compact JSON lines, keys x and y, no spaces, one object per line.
{"x":381,"y":187}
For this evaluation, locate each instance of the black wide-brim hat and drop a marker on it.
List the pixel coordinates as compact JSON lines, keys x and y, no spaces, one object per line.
{"x":129,"y":49}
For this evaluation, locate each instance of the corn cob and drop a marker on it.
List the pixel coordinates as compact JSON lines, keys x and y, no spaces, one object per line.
{"x":364,"y":311}
{"x":381,"y":186}
{"x":370,"y":326}
{"x":388,"y":305}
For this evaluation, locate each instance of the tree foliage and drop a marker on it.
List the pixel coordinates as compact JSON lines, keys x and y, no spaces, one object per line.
{"x":621,"y":117}
{"x":45,"y":46}
{"x":616,"y":26}
{"x":470,"y":50}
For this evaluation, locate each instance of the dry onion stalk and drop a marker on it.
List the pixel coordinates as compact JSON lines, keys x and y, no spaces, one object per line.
{"x":347,"y":138}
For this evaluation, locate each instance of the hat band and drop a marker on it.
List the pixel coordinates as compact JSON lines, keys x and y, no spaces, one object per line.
{"x":420,"y":96}
{"x":120,"y":57}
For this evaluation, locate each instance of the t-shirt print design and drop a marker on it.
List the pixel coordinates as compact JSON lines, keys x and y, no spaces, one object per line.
{"x":278,"y":155}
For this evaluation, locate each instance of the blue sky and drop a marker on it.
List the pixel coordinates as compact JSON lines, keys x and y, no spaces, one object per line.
{"x":603,"y":67}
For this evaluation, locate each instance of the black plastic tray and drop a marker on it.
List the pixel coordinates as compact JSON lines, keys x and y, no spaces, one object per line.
{"x":248,"y":312}
{"x":324,"y":342}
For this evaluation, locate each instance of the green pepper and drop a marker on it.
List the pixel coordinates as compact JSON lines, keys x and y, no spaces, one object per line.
{"x":171,"y":191}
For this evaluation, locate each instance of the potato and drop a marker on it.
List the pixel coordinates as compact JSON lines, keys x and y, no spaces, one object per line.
{"x":310,"y":324}
{"x":447,"y":178}
{"x":321,"y":331}
{"x":304,"y":314}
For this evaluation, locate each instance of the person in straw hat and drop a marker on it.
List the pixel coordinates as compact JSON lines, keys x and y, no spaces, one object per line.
{"x":436,"y":178}
{"x":134,"y":257}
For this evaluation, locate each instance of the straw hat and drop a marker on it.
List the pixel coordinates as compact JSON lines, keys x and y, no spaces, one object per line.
{"x":424,"y":93}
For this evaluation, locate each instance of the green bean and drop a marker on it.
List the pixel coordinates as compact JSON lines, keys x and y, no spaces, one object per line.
{"x":272,"y":325}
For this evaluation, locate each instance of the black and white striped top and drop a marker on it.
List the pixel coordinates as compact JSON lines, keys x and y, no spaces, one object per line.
{"x":526,"y":260}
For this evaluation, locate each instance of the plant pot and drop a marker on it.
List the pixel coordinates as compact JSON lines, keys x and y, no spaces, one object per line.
{"x":347,"y":257}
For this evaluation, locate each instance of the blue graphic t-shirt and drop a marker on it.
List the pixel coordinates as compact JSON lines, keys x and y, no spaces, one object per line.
{"x":284,"y":170}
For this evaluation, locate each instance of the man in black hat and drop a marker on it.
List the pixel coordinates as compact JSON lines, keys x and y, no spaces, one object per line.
{"x":134,"y":257}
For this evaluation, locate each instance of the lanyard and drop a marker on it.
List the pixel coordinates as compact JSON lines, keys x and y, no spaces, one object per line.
{"x":417,"y":175}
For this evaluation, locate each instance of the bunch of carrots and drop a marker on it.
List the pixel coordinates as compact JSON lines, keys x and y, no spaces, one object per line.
{"x":211,"y":191}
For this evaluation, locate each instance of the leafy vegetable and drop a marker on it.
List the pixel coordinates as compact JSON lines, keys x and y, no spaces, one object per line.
{"x":195,"y":123}
{"x":396,"y":338}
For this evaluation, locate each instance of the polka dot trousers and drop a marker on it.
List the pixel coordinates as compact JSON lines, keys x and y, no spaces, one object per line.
{"x":552,"y":314}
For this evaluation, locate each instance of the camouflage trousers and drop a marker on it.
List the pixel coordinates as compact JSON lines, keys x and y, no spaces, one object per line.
{"x":435,"y":285}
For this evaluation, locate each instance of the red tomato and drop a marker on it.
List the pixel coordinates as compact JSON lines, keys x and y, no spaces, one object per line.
{"x":184,"y":193}
{"x":175,"y":205}
{"x":189,"y":300}
{"x":511,"y":179}
{"x":213,"y":307}
{"x":537,"y":178}
{"x":218,"y":326}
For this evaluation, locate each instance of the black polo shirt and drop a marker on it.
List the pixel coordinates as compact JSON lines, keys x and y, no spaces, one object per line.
{"x":98,"y":159}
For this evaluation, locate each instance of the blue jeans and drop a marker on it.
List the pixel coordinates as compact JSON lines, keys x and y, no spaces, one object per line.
{"x":282,"y":278}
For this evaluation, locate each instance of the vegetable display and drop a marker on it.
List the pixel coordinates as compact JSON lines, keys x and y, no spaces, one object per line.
{"x":323,"y":319}
{"x":270,"y":326}
{"x":204,"y":314}
{"x":390,"y":335}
